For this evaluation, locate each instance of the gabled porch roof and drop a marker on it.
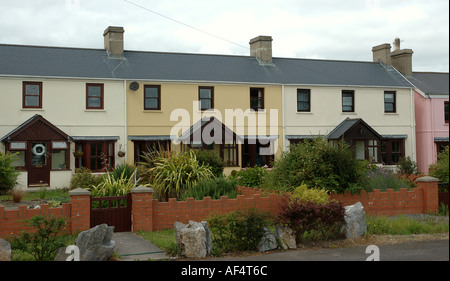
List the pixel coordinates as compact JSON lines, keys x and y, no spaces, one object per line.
{"x":353,"y":129}
{"x":36,"y":128}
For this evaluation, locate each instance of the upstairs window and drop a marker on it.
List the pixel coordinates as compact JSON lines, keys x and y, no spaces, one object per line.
{"x":303,"y":100}
{"x":446,"y":112}
{"x":348,"y":101}
{"x":152,"y":97}
{"x":206,"y":97}
{"x":257,"y":98}
{"x":32,"y":95}
{"x":94,"y":96}
{"x":389,"y":102}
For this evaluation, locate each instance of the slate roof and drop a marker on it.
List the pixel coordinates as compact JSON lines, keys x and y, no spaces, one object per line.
{"x":37,"y":61}
{"x":431,"y":83}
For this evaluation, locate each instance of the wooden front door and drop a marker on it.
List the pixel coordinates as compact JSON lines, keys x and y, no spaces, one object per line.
{"x":38,"y":163}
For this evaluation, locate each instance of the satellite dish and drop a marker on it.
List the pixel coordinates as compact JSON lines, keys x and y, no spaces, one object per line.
{"x":134,"y":86}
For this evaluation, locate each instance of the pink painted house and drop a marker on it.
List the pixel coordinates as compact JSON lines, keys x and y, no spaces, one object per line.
{"x":431,"y":114}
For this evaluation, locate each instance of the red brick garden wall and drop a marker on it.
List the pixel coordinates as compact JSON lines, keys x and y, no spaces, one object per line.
{"x":149,"y":214}
{"x":12,"y":222}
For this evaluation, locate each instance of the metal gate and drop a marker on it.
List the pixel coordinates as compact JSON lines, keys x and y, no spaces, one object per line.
{"x":114,"y":211}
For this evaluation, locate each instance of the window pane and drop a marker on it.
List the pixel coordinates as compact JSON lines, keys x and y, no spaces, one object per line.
{"x":32,"y":101}
{"x":347,"y":101}
{"x":96,"y":149}
{"x":388,"y":107}
{"x":151,"y":103}
{"x":205,"y":93}
{"x":303,"y":96}
{"x":94,"y":102}
{"x":19,"y":159}
{"x":205,"y":103}
{"x":32,"y":90}
{"x":389,"y":97}
{"x":94,"y":91}
{"x":303,"y":106}
{"x":151,"y":92}
{"x":59,"y":160}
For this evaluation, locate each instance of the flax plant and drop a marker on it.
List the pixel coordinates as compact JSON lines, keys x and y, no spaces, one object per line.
{"x":177,"y":173}
{"x":112,"y":186}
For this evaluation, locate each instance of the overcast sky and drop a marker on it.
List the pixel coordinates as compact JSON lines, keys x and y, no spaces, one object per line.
{"x":322,"y":29}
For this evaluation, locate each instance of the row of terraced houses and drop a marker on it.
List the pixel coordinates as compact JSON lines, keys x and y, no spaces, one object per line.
{"x":67,"y":108}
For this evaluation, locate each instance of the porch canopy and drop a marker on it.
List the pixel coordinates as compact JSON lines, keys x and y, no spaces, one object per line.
{"x":353,"y":129}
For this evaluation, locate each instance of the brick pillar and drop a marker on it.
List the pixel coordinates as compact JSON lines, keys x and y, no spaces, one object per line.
{"x":142,"y":209}
{"x":430,"y":193}
{"x":80,"y":214}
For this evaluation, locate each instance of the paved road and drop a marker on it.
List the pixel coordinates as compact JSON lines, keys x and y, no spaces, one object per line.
{"x":433,"y":250}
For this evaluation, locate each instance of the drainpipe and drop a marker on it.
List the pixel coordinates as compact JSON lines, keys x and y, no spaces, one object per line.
{"x":282,"y":117}
{"x":413,"y":126}
{"x":125,"y":119}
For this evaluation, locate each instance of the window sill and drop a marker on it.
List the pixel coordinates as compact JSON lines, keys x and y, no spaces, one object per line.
{"x":305,"y":112}
{"x":94,"y":110}
{"x":390,"y":113}
{"x":32,"y":109}
{"x":152,"y":111}
{"x":348,"y":113}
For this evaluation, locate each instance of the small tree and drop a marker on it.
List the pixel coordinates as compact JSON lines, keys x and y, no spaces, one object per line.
{"x":8,"y":173}
{"x":45,"y":240}
{"x":407,"y":166}
{"x":440,"y":169}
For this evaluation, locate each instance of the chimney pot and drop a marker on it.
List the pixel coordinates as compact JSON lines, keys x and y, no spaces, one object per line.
{"x":261,"y":48}
{"x":397,"y":44}
{"x":113,"y":38}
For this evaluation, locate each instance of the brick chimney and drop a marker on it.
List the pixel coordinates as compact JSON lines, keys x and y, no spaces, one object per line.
{"x":113,"y":37}
{"x":400,"y":59}
{"x":382,"y":53}
{"x":261,"y":48}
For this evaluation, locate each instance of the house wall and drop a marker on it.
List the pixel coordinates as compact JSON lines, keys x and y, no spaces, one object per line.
{"x":326,"y":112}
{"x":180,"y":97}
{"x":430,"y":123}
{"x":64,"y":105}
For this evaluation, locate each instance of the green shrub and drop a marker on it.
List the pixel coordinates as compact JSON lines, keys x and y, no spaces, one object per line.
{"x":319,"y":164}
{"x":238,"y":231}
{"x":312,"y":221}
{"x":440,"y":169}
{"x":214,"y":188}
{"x":45,"y":240}
{"x":305,"y":194}
{"x":83,"y":178}
{"x":406,"y":166}
{"x":212,"y":159}
{"x":251,"y":177}
{"x":8,"y":173}
{"x":177,"y":173}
